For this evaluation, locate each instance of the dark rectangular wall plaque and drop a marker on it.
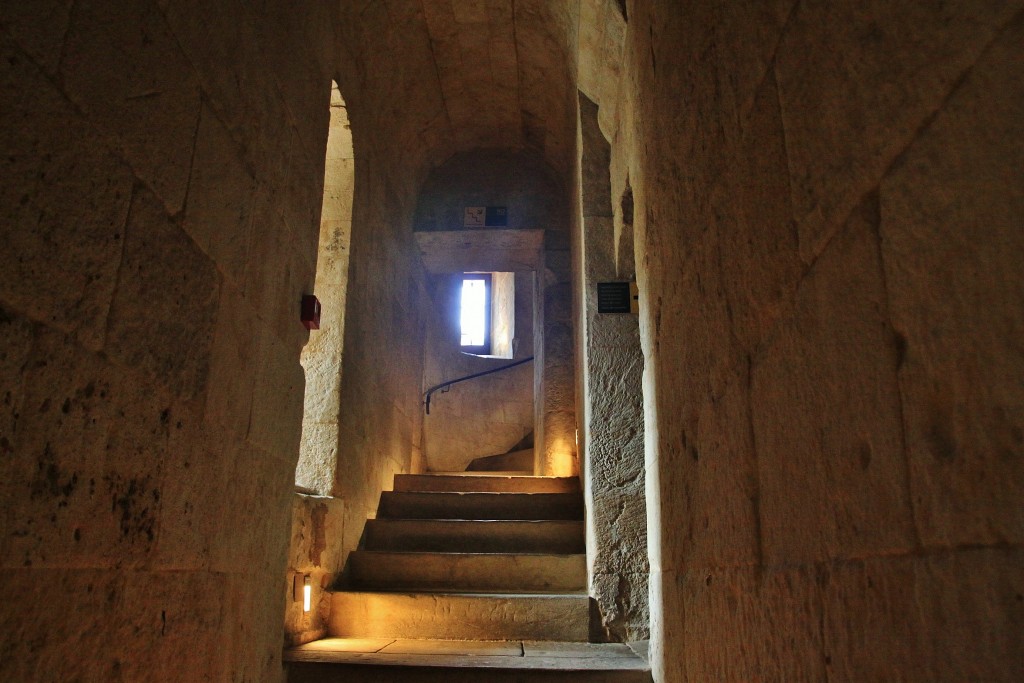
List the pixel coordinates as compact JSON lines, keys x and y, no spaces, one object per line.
{"x":613,"y":297}
{"x":496,"y":217}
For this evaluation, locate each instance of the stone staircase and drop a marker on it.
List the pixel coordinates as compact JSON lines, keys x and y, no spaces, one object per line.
{"x":467,"y":577}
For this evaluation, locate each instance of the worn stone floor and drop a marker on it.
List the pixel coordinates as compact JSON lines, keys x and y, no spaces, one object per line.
{"x":514,"y":654}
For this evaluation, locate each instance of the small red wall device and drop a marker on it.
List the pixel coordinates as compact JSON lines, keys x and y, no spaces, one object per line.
{"x":310,"y":312}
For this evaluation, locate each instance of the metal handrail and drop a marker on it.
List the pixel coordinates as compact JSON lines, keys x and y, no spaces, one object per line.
{"x":445,"y":385}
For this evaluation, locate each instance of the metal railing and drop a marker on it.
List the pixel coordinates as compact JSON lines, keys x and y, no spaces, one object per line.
{"x":445,"y":385}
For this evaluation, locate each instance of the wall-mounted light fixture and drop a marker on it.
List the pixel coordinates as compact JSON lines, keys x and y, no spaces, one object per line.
{"x":302,"y":590}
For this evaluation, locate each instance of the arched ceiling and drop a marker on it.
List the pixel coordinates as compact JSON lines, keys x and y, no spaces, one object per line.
{"x":439,"y":77}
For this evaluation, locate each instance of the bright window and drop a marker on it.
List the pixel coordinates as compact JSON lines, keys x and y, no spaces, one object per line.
{"x":475,"y":313}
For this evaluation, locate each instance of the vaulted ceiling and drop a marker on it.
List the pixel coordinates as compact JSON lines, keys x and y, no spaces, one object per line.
{"x":449,"y":76}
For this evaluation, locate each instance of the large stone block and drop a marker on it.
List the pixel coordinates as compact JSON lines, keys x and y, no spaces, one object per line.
{"x":302,"y":49}
{"x":151,"y":626}
{"x":854,"y":95}
{"x":212,"y":35}
{"x":749,"y":34}
{"x":276,"y":418}
{"x":164,"y":310}
{"x":318,"y":458}
{"x":38,"y":27}
{"x":749,"y":624}
{"x":826,"y":414}
{"x":947,"y":617}
{"x":16,"y":339}
{"x":620,"y":528}
{"x":234,"y":355}
{"x":623,"y":601}
{"x":253,"y":617}
{"x":218,"y":215}
{"x":171,"y":627}
{"x":278,"y":272}
{"x":759,"y":252}
{"x":65,"y":200}
{"x":194,"y":533}
{"x":322,"y":375}
{"x":952,"y":234}
{"x":86,"y":486}
{"x":46,"y":644}
{"x":122,"y":67}
{"x":709,"y":489}
{"x":262,"y":544}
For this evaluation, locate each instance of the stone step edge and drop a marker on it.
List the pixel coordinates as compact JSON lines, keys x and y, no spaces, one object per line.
{"x":407,"y":590}
{"x":409,"y":483}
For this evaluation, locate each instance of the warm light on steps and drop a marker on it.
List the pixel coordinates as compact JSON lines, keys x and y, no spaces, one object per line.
{"x":469,"y":557}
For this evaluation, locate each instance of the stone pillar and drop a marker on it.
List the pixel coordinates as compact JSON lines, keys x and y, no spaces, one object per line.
{"x":612,"y":432}
{"x":555,"y":449}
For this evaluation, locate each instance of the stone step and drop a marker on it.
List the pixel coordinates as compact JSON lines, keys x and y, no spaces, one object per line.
{"x":474,"y":536}
{"x":452,"y":661}
{"x":450,"y":505}
{"x":461,"y":616}
{"x":493,"y":483}
{"x":382,"y":570}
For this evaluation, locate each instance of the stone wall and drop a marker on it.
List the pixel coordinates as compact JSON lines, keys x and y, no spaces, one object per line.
{"x":314,"y":551}
{"x":611,"y":405}
{"x":162,"y":166}
{"x":828,"y":237}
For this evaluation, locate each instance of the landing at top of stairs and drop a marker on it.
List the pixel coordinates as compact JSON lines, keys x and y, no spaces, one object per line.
{"x":494,"y":482}
{"x":450,"y":661}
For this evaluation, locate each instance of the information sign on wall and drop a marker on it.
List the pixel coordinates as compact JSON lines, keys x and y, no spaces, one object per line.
{"x":485,"y":217}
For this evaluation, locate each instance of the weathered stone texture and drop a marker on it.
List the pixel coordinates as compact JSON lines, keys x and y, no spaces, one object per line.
{"x":716,"y":480}
{"x":880,"y":614}
{"x":757,"y":238}
{"x":612,"y":423}
{"x":218,"y":215}
{"x":136,"y":330}
{"x":825,"y":218}
{"x":854,"y":97}
{"x":952,"y":236}
{"x":38,"y":27}
{"x":131,"y":624}
{"x":779,"y":610}
{"x":321,"y":357}
{"x":163,"y":275}
{"x":61,"y":253}
{"x":314,"y":551}
{"x":122,"y":66}
{"x":826,"y":412}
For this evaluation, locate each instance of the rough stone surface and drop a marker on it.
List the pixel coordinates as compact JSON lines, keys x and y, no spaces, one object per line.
{"x":820,"y":362}
{"x":826,"y":313}
{"x":163,"y":273}
{"x":140,"y":343}
{"x":950,"y":228}
{"x":314,"y":551}
{"x":123,"y":67}
{"x":897,"y":65}
{"x":612,"y":431}
{"x":321,"y":357}
{"x":825,"y":231}
{"x":61,"y":254}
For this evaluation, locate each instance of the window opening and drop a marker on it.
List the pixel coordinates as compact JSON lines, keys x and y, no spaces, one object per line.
{"x":321,"y":357}
{"x":475,"y":313}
